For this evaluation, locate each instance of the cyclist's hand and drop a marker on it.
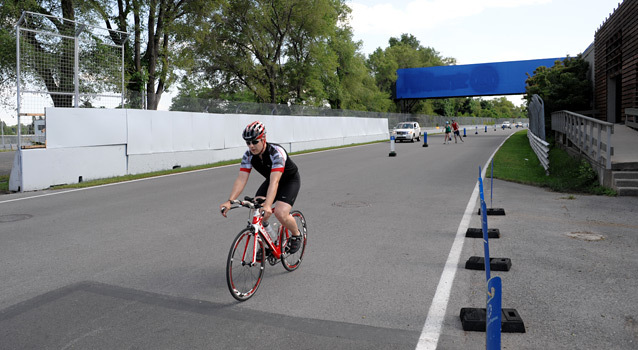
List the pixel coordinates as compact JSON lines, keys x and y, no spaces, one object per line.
{"x":266,"y":212}
{"x":223,"y":208}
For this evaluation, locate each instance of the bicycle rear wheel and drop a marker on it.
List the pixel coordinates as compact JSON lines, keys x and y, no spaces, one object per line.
{"x":243,"y":270}
{"x":292,"y":261}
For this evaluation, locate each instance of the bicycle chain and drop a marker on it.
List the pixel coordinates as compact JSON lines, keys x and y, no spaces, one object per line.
{"x":271,"y":260}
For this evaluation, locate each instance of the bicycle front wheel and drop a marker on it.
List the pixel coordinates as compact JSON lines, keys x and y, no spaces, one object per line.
{"x":292,"y":261}
{"x":245,"y":265}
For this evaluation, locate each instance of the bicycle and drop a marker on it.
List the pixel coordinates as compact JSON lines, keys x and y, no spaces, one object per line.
{"x":245,"y":265}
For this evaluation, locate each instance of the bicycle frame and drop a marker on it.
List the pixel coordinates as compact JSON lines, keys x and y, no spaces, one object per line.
{"x":257,"y":227}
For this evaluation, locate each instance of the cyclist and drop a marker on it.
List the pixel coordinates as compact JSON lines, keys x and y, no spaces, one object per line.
{"x":282,"y":180}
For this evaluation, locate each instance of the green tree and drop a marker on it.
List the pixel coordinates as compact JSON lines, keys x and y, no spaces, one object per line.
{"x":350,"y":85}
{"x":403,"y":52}
{"x":277,"y":49}
{"x":504,"y":108}
{"x":565,"y":86}
{"x":167,"y":25}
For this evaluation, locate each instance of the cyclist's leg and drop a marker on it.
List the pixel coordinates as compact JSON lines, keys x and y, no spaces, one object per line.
{"x":286,"y":196}
{"x":282,"y":212}
{"x":262,"y":190}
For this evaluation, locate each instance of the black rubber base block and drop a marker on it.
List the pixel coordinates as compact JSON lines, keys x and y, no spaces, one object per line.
{"x":478,"y":233}
{"x":473,"y":320}
{"x":496,"y":264}
{"x":493,"y":211}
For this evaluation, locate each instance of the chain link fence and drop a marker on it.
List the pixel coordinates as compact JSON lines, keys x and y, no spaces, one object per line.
{"x":64,"y":63}
{"x":231,"y":107}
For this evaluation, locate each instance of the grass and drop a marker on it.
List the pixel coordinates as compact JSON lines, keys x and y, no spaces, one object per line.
{"x":4,"y":183}
{"x":4,"y":179}
{"x":178,"y":170}
{"x":516,"y":161}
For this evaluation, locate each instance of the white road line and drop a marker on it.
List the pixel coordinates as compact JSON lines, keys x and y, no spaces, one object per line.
{"x":431,"y":332}
{"x":434,"y":322}
{"x":112,"y":184}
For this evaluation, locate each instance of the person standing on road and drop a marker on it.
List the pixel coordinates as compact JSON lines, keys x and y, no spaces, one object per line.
{"x":455,"y":127}
{"x":448,"y":130}
{"x":282,"y":182}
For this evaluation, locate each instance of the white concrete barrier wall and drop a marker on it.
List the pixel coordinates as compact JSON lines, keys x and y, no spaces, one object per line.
{"x":101,"y":143}
{"x":80,"y":127}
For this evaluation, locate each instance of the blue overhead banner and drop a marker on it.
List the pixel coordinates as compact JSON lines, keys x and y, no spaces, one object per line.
{"x":485,"y":79}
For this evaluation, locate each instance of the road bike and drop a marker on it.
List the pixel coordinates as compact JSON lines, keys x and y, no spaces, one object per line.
{"x":253,"y":246}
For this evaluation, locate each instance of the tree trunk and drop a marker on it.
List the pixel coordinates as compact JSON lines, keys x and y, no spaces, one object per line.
{"x":151,"y":54}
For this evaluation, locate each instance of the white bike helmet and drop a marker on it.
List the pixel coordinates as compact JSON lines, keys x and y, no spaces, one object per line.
{"x":254,"y":131}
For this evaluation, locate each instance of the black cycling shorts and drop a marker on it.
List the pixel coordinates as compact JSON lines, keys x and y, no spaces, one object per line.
{"x":287,"y":192}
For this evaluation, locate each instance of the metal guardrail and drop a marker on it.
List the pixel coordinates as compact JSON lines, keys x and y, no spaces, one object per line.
{"x":536,"y":114}
{"x":541,"y":148}
{"x":592,"y":137}
{"x":536,"y":132}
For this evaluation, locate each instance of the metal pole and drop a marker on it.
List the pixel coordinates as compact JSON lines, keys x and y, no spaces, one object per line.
{"x":492,"y":183}
{"x":122,"y":67}
{"x":18,"y":97}
{"x":76,"y":68}
{"x":76,"y":90}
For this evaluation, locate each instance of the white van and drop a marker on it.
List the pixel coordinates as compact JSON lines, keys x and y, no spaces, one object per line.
{"x":407,"y":131}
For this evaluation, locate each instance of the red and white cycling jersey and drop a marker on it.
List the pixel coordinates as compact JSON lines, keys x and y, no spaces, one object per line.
{"x":274,"y":158}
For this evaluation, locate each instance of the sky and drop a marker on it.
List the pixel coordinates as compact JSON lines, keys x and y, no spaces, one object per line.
{"x":472,"y":31}
{"x":483,"y":31}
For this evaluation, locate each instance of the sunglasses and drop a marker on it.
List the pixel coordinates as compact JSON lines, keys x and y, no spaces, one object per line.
{"x":254,"y":142}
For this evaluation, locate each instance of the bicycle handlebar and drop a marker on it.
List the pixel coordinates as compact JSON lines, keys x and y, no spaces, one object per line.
{"x":248,"y":202}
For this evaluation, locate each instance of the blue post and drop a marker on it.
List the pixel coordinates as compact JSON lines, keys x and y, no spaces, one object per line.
{"x":494,"y":285}
{"x":464,"y":134}
{"x":486,"y":246}
{"x":425,"y":139}
{"x":492,"y":183}
{"x":485,"y":128}
{"x":480,"y":184}
{"x":493,"y":314}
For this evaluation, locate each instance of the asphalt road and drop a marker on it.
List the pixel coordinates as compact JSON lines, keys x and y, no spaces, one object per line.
{"x":142,"y":264}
